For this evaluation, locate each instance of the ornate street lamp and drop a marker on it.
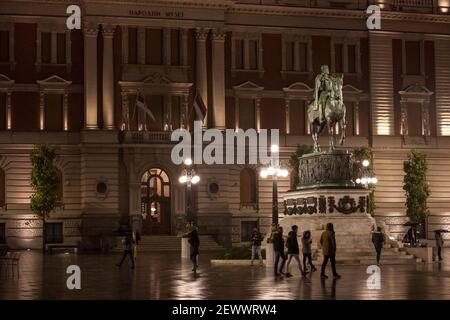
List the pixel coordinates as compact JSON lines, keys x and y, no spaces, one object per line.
{"x":275,"y":171}
{"x":189,"y":178}
{"x":367,"y":178}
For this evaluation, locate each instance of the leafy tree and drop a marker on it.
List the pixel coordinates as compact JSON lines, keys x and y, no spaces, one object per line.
{"x":416,"y":186}
{"x":44,"y":181}
{"x":294,"y":163}
{"x":360,"y":154}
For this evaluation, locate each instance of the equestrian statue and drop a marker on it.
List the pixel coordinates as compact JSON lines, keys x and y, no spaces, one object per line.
{"x":327,"y":108}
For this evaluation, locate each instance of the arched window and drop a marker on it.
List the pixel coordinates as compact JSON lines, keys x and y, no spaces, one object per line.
{"x":2,"y":188}
{"x":248,"y":188}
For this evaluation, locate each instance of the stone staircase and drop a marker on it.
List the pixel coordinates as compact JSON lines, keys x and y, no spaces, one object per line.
{"x":173,"y":244}
{"x":360,"y":256}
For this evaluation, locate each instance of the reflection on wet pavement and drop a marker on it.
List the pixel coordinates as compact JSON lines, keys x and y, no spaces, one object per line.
{"x":166,"y":276}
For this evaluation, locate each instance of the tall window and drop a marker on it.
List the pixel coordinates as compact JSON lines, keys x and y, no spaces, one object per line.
{"x":247,"y":114}
{"x":296,"y":55}
{"x":60,"y":190}
{"x":4,"y":46}
{"x":154,"y":46}
{"x":413,"y":57}
{"x":248,"y":188}
{"x":2,"y":233}
{"x":2,"y":187}
{"x":53,"y":47}
{"x":53,"y":113}
{"x":246,"y":52}
{"x":54,"y":232}
{"x":345,"y":56}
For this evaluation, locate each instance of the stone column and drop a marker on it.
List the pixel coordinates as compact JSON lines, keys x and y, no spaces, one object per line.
{"x":8,"y":110}
{"x":108,"y":77}
{"x":218,"y":76}
{"x":356,"y":117}
{"x":201,"y":65}
{"x":125,"y":111}
{"x":90,"y":77}
{"x":41,"y":110}
{"x":426,"y":130}
{"x":404,"y":118}
{"x":66,"y":111}
{"x":287,"y":107}
{"x":258,"y":114}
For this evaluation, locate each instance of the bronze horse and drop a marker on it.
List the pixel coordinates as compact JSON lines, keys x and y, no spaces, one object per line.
{"x":334,"y":112}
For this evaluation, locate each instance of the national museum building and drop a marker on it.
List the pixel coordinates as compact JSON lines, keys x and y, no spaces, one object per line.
{"x":253,"y":62}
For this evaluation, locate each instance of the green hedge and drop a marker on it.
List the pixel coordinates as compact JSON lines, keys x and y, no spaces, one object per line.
{"x":238,"y":253}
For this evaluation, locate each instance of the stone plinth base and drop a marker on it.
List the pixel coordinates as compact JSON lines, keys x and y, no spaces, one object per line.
{"x":345,"y":208}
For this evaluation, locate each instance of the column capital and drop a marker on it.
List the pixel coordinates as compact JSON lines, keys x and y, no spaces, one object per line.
{"x":218,"y":35}
{"x":108,"y":30}
{"x":90,"y":30}
{"x":201,"y":34}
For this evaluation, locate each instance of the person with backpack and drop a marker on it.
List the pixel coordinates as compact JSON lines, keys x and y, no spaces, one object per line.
{"x":194,"y":241}
{"x":256,"y":245}
{"x":293,"y":251}
{"x":127,"y":250}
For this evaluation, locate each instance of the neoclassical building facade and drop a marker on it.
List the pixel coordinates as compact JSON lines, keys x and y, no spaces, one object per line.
{"x":252,"y":61}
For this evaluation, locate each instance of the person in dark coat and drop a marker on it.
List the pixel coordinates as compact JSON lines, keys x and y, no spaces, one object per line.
{"x":256,"y":245}
{"x":328,"y":243}
{"x":378,"y":240}
{"x":194,"y":242}
{"x":306,"y":250}
{"x":439,"y":243}
{"x":278,"y":248}
{"x":127,"y":250}
{"x":293,"y":251}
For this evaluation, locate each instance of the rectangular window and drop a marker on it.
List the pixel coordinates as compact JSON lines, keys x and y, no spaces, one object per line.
{"x":338,"y":55}
{"x":247,"y":114}
{"x":4,"y":46}
{"x":290,"y":55}
{"x":351,"y":56}
{"x":53,"y":233}
{"x":297,"y":117}
{"x":132,"y":46}
{"x":2,"y":233}
{"x":53,"y":111}
{"x":156,"y":105}
{"x":3,"y":97}
{"x":176,"y":112}
{"x":61,"y":48}
{"x":153,"y":47}
{"x":175,"y":47}
{"x":253,"y":54}
{"x":247,"y":230}
{"x":303,"y":56}
{"x":239,"y":54}
{"x":46,"y":47}
{"x":413,"y":58}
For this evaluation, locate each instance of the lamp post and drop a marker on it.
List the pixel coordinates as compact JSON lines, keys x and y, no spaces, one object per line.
{"x":189,"y":178}
{"x":367,"y":178}
{"x":275,"y":171}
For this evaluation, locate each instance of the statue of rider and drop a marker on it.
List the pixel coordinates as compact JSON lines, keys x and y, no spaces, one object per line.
{"x":322,"y":90}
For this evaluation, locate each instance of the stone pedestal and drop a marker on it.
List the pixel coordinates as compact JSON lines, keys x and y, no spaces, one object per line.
{"x":327,"y":193}
{"x":185,"y":248}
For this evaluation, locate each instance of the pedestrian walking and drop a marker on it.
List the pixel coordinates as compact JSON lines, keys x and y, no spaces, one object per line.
{"x":194,"y":242}
{"x":328,"y":243}
{"x":256,"y":245}
{"x":127,"y":250}
{"x":307,"y":251}
{"x":439,"y":243}
{"x":278,"y":248}
{"x":378,"y":240}
{"x":293,"y":251}
{"x":136,"y":239}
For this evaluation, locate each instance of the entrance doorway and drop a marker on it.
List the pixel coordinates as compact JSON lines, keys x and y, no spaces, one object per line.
{"x":155,"y":202}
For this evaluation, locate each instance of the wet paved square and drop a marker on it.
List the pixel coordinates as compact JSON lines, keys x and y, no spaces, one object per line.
{"x":166,"y":276}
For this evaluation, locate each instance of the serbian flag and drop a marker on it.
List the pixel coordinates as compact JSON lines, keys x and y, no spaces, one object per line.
{"x":140,"y":103}
{"x":199,"y":107}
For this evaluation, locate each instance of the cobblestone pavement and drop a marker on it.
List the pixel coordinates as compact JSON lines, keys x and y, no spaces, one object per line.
{"x":166,"y":276}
